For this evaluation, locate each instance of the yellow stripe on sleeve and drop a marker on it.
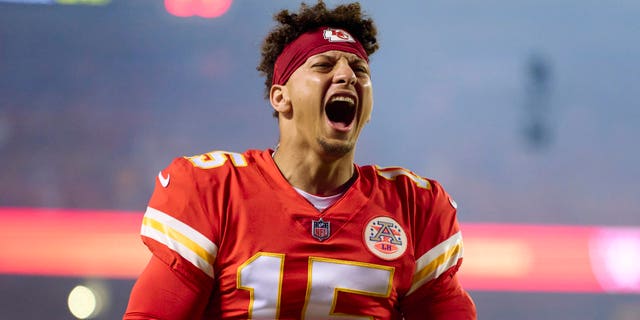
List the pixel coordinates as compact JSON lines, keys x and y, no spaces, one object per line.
{"x":181,"y":238}
{"x":437,"y":260}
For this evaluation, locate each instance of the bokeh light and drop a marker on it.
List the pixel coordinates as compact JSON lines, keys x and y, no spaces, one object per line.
{"x":82,"y":302}
{"x":201,"y":8}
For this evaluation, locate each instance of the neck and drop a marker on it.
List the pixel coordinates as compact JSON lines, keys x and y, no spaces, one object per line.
{"x":314,"y":174}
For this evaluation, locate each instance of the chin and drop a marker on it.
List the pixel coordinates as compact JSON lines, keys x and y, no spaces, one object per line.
{"x":336,"y":149}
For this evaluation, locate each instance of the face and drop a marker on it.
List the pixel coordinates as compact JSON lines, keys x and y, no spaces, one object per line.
{"x":331,"y":100}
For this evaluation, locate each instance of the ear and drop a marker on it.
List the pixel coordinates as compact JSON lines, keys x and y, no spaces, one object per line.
{"x":279,"y":98}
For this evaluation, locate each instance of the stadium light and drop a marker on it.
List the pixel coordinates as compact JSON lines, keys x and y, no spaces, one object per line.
{"x":82,"y":302}
{"x":87,"y":301}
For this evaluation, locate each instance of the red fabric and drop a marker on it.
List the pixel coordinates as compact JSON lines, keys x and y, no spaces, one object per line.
{"x":441,"y":299}
{"x":160,"y":293}
{"x":267,"y":261}
{"x":311,"y":43}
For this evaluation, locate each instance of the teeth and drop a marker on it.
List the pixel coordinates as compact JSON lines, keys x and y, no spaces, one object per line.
{"x":343,"y":99}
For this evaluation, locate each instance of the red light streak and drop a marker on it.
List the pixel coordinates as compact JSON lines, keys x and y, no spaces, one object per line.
{"x":528,"y":258}
{"x":71,"y":243}
{"x":497,"y":257}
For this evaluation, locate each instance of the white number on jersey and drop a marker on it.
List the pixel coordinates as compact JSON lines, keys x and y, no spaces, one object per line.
{"x":215,"y":159}
{"x":262,"y":276}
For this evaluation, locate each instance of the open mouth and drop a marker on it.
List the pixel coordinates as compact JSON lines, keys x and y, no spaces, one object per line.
{"x":341,"y":112}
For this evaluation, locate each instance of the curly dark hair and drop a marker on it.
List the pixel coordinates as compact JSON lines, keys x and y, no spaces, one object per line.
{"x":291,"y":25}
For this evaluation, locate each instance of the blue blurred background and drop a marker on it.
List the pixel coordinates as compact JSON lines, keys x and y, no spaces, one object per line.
{"x":526,"y":111}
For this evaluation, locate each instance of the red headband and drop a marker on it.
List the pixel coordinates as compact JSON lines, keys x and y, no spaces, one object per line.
{"x":311,"y":43}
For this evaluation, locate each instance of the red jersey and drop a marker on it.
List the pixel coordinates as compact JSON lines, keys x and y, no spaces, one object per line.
{"x":231,"y":221}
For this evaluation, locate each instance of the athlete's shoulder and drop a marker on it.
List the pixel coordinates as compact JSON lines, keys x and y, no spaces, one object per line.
{"x":189,"y":200}
{"x":404,"y":183}
{"x":220,"y":159}
{"x":396,"y":177}
{"x":214,"y":163}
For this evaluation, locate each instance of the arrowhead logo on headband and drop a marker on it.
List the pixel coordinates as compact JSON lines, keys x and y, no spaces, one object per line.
{"x":337,"y":35}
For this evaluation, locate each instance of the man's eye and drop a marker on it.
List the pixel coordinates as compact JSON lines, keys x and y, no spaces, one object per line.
{"x":360,"y":69}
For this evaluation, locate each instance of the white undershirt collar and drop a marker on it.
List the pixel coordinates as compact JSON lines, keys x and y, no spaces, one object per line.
{"x":319,"y":202}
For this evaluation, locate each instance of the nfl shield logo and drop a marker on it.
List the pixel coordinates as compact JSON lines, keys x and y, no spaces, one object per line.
{"x":320,"y":229}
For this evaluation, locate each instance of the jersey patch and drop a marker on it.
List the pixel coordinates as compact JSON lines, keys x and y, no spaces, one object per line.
{"x":385,"y":238}
{"x":320,"y":229}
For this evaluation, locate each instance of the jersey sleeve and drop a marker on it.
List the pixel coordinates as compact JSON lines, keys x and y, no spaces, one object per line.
{"x":177,"y":227}
{"x":438,"y":239}
{"x":160,"y":293}
{"x":439,"y":252}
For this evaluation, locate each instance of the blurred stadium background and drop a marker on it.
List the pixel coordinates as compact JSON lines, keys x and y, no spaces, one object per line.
{"x":526,"y":111}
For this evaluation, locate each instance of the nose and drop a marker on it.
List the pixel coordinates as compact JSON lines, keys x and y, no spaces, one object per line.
{"x":344,"y":73}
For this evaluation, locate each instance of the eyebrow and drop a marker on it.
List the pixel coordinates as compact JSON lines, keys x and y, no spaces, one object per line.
{"x":352,"y":58}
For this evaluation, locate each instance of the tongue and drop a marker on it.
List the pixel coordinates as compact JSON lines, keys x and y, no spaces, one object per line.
{"x":342,"y":126}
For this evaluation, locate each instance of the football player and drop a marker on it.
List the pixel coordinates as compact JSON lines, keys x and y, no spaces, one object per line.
{"x":301,"y":232}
